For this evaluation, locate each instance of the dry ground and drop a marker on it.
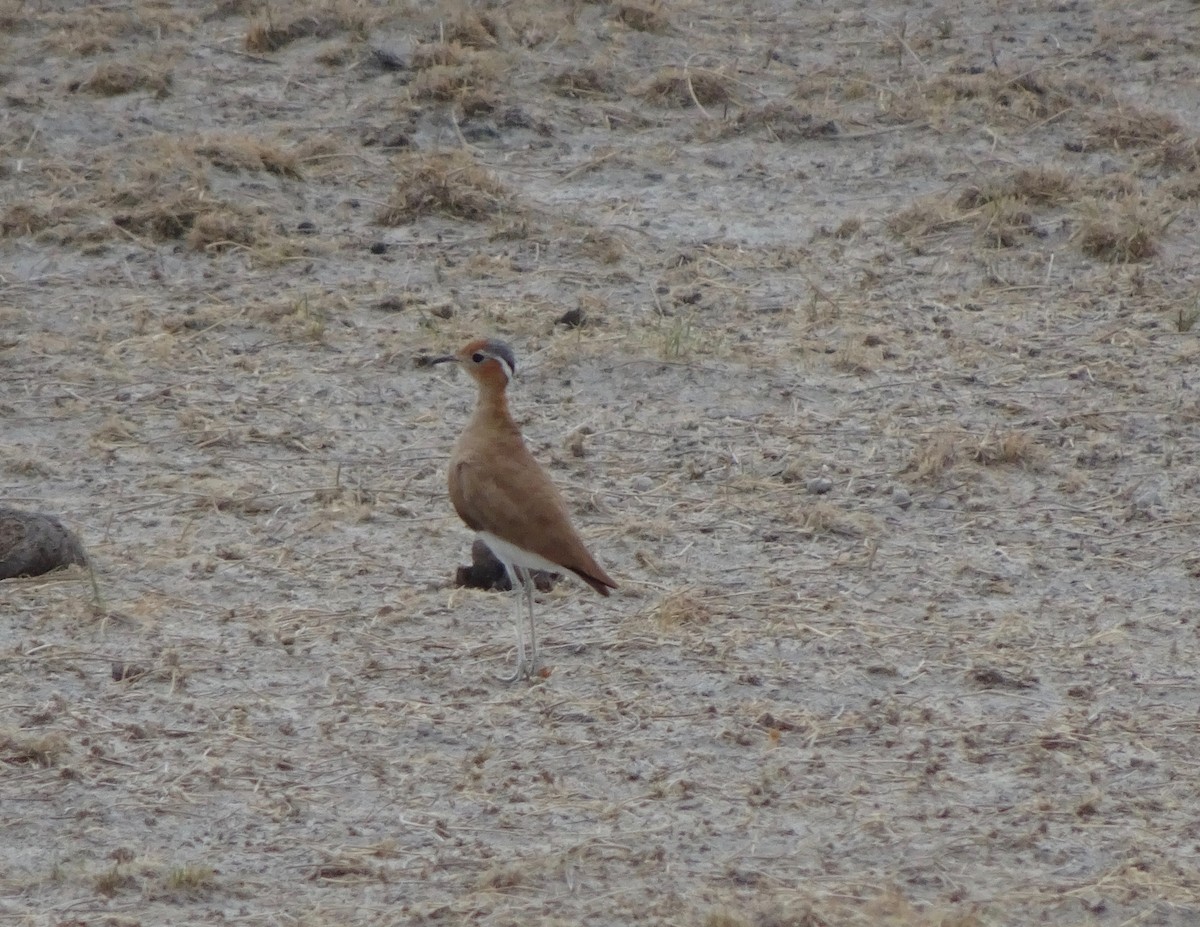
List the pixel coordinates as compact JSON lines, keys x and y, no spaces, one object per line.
{"x":884,"y":415}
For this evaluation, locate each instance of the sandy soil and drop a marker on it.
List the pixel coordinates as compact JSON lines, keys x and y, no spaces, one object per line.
{"x":884,"y":416}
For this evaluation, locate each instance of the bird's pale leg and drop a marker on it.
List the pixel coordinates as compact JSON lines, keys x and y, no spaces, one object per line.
{"x":515,"y":574}
{"x":527,"y":579}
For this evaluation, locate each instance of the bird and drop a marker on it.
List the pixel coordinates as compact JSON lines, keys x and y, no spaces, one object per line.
{"x":501,"y":492}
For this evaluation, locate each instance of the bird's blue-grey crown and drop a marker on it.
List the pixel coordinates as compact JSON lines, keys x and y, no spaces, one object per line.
{"x":502,"y":351}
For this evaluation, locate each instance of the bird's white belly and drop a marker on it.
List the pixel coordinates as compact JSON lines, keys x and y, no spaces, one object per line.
{"x":510,"y":554}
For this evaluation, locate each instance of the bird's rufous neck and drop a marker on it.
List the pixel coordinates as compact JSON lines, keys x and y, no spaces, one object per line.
{"x":492,"y":406}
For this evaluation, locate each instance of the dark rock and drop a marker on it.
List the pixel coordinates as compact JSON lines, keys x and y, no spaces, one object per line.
{"x":390,"y":59}
{"x":32,"y":544}
{"x":486,"y":572}
{"x":572,"y":318}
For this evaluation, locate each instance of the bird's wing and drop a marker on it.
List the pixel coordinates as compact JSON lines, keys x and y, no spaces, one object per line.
{"x":512,"y":497}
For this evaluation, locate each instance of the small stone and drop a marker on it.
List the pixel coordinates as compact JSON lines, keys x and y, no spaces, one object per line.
{"x":818,"y":485}
{"x":572,"y":318}
{"x":392,"y":304}
{"x":516,"y":118}
{"x":391,"y":59}
{"x":122,"y":671}
{"x":1146,"y":501}
{"x":575,"y":442}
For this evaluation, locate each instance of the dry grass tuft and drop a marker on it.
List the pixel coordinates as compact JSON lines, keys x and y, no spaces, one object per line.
{"x":828,"y":84}
{"x":1133,"y":128}
{"x":1042,"y":185}
{"x":1005,"y":223}
{"x":891,"y":909}
{"x":268,"y":35}
{"x":24,"y":749}
{"x":1015,"y":448}
{"x":936,"y":453}
{"x":246,"y":153}
{"x":585,"y":82}
{"x":848,"y":228}
{"x":156,"y":199}
{"x":680,"y":609}
{"x":785,"y":122}
{"x":475,"y":30}
{"x":114,"y":880}
{"x":23,"y":219}
{"x":221,"y":229}
{"x":447,"y":184}
{"x":993,"y":94}
{"x":163,"y":193}
{"x":941,"y":451}
{"x":603,"y":246}
{"x":190,"y":882}
{"x":822,"y":518}
{"x":1036,"y":185}
{"x":856,"y":358}
{"x":435,"y":54}
{"x":303,"y":319}
{"x":227,"y":8}
{"x":118,"y":77}
{"x":642,"y":17}
{"x":115,"y":431}
{"x":726,"y":918}
{"x":924,"y":218}
{"x":321,"y":156}
{"x":507,"y":875}
{"x":1000,"y":209}
{"x":463,"y":72}
{"x":687,"y":87}
{"x":164,"y":219}
{"x":96,"y":28}
{"x":1185,"y":186}
{"x":444,"y":83}
{"x":1117,"y":243}
{"x":179,"y":884}
{"x":1127,"y":233}
{"x":1180,"y":153}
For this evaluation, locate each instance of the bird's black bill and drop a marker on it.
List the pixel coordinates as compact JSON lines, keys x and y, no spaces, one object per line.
{"x":424,"y":360}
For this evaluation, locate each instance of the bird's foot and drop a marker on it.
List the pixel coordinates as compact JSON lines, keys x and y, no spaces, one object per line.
{"x":527,"y":670}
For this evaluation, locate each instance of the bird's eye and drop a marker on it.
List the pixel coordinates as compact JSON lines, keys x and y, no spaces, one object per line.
{"x":477,"y":358}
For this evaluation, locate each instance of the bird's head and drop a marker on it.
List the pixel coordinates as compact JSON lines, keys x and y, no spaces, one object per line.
{"x":488,"y":361}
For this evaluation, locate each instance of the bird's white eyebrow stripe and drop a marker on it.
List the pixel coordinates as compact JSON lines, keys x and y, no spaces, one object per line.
{"x":508,"y":370}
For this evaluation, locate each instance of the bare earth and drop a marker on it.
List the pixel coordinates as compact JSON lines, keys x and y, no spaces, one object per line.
{"x":884,"y":416}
